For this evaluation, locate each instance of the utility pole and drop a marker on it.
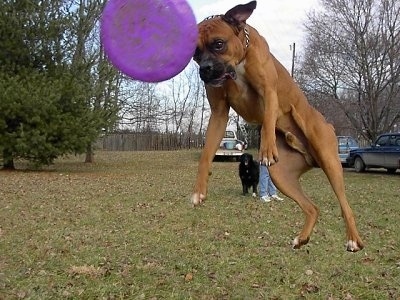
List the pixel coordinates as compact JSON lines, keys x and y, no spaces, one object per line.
{"x":293,"y":47}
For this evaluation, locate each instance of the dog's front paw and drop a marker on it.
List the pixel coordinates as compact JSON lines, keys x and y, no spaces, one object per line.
{"x":270,"y":155}
{"x":268,"y":161}
{"x":197,"y":199}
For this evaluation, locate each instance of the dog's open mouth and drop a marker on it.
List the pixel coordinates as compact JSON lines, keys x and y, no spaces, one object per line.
{"x":230,"y":74}
{"x":215,"y":73}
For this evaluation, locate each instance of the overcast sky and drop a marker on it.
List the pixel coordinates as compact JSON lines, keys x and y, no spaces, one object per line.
{"x":279,"y":21}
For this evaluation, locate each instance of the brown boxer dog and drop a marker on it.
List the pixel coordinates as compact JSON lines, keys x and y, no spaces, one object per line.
{"x":239,"y":72}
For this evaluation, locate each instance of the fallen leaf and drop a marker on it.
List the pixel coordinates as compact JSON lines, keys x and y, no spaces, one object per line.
{"x":86,"y":270}
{"x":308,"y":288}
{"x":309,"y":272}
{"x":188,"y":277}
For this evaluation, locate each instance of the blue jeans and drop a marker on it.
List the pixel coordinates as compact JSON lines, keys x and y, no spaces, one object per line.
{"x":267,"y":187}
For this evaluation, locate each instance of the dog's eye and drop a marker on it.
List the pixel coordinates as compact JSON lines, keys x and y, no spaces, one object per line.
{"x":218,"y":45}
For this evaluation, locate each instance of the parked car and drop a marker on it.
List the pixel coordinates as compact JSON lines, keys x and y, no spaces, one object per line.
{"x":384,"y":153}
{"x":230,"y":146}
{"x":345,"y":144}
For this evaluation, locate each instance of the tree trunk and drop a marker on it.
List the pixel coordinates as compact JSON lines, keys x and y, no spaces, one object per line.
{"x":8,"y":160}
{"x":89,"y":154}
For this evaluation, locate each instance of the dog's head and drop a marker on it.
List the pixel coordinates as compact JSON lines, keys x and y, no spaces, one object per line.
{"x":222,"y":44}
{"x":246,"y":159}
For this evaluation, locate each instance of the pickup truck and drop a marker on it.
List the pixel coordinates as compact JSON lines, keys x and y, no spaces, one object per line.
{"x":230,"y":146}
{"x":384,"y":153}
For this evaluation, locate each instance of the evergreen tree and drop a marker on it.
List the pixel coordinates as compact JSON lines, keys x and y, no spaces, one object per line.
{"x":46,"y":106}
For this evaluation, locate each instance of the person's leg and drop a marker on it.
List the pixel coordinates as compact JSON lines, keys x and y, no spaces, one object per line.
{"x":263,"y":183}
{"x":271,"y":187}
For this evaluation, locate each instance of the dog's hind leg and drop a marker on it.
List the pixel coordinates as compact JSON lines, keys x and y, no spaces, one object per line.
{"x":286,"y":179}
{"x":324,"y":143}
{"x":332,"y":167}
{"x":285,"y":176}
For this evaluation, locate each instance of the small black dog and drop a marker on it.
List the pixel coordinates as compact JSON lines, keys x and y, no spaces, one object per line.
{"x":249,"y":171}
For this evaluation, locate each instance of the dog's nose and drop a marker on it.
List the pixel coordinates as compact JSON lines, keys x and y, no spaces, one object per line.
{"x":206,"y":68}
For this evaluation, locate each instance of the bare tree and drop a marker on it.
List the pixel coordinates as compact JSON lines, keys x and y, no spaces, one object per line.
{"x":185,"y":101}
{"x":200,"y":101}
{"x":180,"y":92}
{"x":141,"y":106}
{"x":197,"y":105}
{"x":352,"y":57}
{"x":89,"y":58}
{"x":176,"y":106}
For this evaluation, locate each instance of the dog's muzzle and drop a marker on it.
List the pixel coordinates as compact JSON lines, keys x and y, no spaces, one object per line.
{"x":215,"y":73}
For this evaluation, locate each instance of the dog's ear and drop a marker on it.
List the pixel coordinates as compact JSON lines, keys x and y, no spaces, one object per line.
{"x":238,"y":15}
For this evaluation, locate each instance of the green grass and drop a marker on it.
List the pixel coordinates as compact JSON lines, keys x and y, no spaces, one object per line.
{"x":123,"y":228}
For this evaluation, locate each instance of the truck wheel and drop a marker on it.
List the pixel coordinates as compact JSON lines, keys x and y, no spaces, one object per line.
{"x":391,"y":170}
{"x":359,"y":165}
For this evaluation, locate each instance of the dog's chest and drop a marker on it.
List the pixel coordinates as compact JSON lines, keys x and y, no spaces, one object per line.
{"x":243,"y":98}
{"x":241,"y":81}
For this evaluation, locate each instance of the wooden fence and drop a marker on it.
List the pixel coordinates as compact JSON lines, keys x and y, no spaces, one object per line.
{"x":138,"y":141}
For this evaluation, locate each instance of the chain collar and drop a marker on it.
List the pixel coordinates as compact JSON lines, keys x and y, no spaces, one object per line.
{"x":212,"y":17}
{"x":247,"y":36}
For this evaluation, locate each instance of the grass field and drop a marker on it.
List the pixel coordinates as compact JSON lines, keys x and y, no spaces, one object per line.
{"x":123,"y":228}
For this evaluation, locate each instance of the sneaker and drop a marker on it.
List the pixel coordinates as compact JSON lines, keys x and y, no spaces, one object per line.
{"x":265,"y":199}
{"x":276,"y":197}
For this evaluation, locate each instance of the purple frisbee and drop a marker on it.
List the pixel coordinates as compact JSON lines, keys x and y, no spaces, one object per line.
{"x":149,"y":40}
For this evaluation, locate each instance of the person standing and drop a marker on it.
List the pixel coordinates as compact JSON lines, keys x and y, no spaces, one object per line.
{"x":268,"y":191}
